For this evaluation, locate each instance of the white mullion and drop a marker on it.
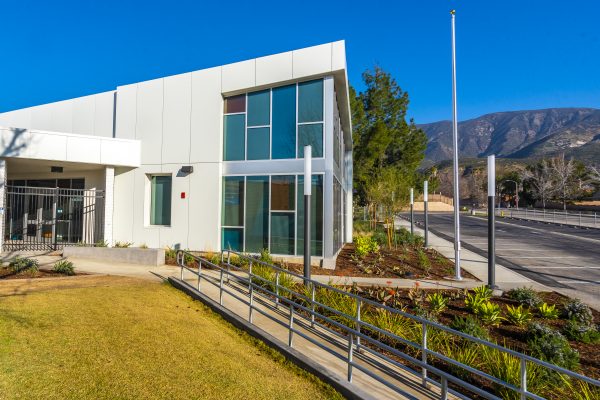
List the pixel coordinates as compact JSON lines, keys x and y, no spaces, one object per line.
{"x":246,"y":130}
{"x":296,"y":126}
{"x":270,"y":125}
{"x":244,"y":216}
{"x":269,"y":227}
{"x":296,"y":212}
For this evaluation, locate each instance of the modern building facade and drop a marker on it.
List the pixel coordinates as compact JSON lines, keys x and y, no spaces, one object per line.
{"x":204,"y":160}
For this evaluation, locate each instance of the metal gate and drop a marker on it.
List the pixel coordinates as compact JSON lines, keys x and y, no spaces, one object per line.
{"x":41,"y":219}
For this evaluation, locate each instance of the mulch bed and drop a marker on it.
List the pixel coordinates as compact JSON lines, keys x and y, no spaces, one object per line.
{"x":389,"y":263}
{"x":513,"y":336}
{"x":6,"y":273}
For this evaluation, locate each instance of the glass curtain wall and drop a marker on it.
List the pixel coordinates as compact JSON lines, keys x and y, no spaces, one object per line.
{"x":267,"y":212}
{"x":275,"y":123}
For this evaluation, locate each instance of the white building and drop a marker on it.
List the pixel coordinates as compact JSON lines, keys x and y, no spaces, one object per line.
{"x":202,"y":161}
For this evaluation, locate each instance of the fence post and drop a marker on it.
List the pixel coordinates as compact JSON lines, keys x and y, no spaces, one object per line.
{"x":523,"y":379}
{"x":358,"y":322}
{"x":221,"y":289}
{"x":350,"y":356}
{"x":199,"y":273}
{"x":424,"y":354}
{"x":277,"y":289}
{"x":312,"y":314}
{"x":291,"y":326}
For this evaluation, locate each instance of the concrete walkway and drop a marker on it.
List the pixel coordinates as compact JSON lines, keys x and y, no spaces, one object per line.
{"x":277,"y":322}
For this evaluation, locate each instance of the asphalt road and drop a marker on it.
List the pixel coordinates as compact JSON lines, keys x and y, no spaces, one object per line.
{"x":556,"y":256}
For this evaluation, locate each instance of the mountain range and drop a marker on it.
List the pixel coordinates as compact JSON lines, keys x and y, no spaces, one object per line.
{"x":519,"y":134}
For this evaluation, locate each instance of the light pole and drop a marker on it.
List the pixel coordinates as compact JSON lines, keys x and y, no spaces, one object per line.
{"x":425,"y":201}
{"x":412,"y":213}
{"x":307,"y":193}
{"x":491,"y":223}
{"x":456,"y":193}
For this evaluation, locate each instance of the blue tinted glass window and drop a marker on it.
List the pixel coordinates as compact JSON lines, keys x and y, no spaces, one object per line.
{"x":233,"y":142}
{"x":310,"y":101}
{"x":284,"y":122}
{"x":311,"y":134}
{"x":316,"y":216}
{"x":233,"y":201}
{"x":233,"y":239}
{"x":258,"y":144}
{"x":282,"y":233}
{"x":257,"y":213}
{"x":259,"y":108}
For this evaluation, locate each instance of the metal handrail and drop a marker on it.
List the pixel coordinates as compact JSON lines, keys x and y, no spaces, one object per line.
{"x":355,"y":334}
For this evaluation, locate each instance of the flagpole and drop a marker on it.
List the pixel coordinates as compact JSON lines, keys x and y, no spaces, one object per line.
{"x":456,"y":193}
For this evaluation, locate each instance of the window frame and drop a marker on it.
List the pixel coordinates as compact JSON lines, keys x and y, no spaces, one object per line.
{"x":150,"y":179}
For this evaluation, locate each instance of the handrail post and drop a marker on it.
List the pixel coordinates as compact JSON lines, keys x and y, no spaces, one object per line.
{"x":199,"y":273}
{"x":358,"y":322}
{"x":277,"y":289}
{"x":580,"y":219}
{"x":251,"y":302}
{"x":291,"y":326}
{"x":424,"y":353}
{"x":350,"y":357}
{"x":312,"y":314}
{"x":523,"y":375}
{"x":250,"y":275}
{"x":444,"y":395}
{"x":221,"y":289}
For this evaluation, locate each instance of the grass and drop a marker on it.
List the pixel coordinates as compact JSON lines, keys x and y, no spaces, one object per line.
{"x":113,"y":337}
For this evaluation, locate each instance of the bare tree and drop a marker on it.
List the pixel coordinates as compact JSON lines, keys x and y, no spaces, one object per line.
{"x":540,"y":179}
{"x":563,"y":173}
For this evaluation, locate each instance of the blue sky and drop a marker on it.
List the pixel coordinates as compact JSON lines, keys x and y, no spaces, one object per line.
{"x":511,"y":54}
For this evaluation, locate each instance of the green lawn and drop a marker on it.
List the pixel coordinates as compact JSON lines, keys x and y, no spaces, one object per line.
{"x":120,"y":338}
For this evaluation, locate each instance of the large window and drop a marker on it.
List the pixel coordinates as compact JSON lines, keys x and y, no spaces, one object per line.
{"x":275,"y":123}
{"x":267,"y":212}
{"x":160,"y":200}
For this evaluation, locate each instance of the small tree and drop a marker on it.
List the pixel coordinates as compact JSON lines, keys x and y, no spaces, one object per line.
{"x":564,"y":177}
{"x":539,"y":176}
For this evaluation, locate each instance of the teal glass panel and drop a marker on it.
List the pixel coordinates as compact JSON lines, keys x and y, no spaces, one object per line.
{"x":311,"y":134}
{"x":233,"y":201}
{"x":233,"y":141}
{"x":284,"y":122}
{"x":316,"y":216}
{"x":310,"y":101}
{"x":160,"y":208}
{"x":283,"y":189}
{"x":233,"y":239}
{"x":258,"y":144}
{"x":259,"y":108}
{"x":282,"y":233}
{"x":257,"y":213}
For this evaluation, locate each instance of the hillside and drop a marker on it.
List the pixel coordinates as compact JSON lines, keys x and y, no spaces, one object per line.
{"x":519,"y":134}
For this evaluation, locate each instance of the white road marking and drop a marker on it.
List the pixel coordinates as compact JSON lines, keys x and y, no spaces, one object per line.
{"x":581,"y":282}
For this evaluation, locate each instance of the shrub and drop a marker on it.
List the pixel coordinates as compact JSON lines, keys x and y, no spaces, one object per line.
{"x":549,"y":345}
{"x":170,"y":254}
{"x":64,"y":267}
{"x":437,"y":302}
{"x":143,"y":246}
{"x":518,"y":315}
{"x":473,"y":301}
{"x":101,"y":243}
{"x":526,"y":296}
{"x":122,"y":245}
{"x":574,"y":330}
{"x":578,"y":311}
{"x":484,"y":292}
{"x":424,"y":262}
{"x":21,"y":264}
{"x":265,"y":256}
{"x":404,"y":237}
{"x":391,"y":322}
{"x":548,"y":311}
{"x":365,"y":245}
{"x":470,"y":326}
{"x":380,"y":238}
{"x":489,"y":313}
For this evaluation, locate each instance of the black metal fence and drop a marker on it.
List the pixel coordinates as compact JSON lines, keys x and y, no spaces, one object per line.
{"x":48,"y":218}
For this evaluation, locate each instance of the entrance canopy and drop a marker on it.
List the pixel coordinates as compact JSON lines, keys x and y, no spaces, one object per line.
{"x":68,"y":147}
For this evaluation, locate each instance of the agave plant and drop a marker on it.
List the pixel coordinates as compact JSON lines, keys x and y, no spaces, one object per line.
{"x":489,"y":313}
{"x":518,"y":315}
{"x":437,"y":302}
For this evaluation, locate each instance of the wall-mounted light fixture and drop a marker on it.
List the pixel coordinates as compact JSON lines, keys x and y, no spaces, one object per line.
{"x":187,"y":169}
